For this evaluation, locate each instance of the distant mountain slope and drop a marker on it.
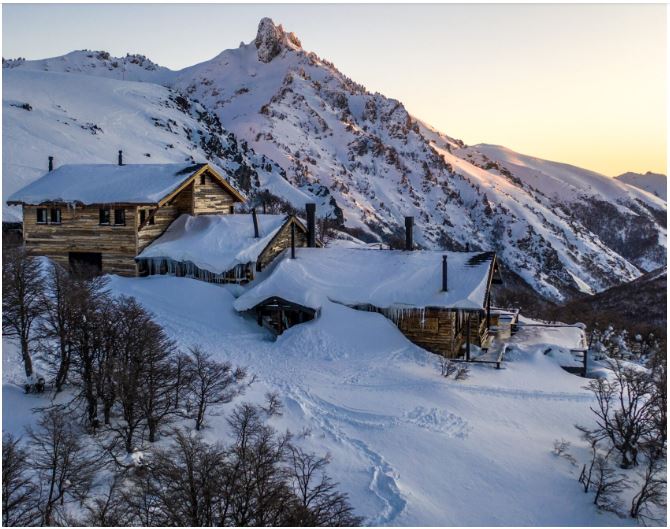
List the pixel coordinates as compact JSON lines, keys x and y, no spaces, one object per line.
{"x":654,"y":183}
{"x":638,"y":306}
{"x":364,"y":159}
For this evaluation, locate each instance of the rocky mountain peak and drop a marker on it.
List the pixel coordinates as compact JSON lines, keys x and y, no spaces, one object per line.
{"x":271,"y":39}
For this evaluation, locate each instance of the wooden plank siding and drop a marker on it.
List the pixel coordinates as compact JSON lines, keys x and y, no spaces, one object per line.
{"x":80,"y":229}
{"x":210,"y":196}
{"x":281,"y":241}
{"x":434,"y":329}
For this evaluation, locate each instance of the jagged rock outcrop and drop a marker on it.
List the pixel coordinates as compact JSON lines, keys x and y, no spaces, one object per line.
{"x":271,"y":39}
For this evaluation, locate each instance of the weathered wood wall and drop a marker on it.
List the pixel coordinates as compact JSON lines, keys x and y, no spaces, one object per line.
{"x":80,"y":231}
{"x":211,"y":197}
{"x":435,"y":329}
{"x":281,"y":242}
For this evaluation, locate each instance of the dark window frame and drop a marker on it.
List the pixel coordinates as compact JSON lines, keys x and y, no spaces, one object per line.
{"x":203,"y":179}
{"x":152,"y":217}
{"x":143,"y":216}
{"x":39,"y":212}
{"x":55,"y":212}
{"x":119,"y":214}
{"x":105,"y":213}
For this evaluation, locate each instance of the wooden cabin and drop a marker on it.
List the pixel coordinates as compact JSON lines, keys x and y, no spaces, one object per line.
{"x":440,"y":301}
{"x":222,"y":248}
{"x":100,"y":217}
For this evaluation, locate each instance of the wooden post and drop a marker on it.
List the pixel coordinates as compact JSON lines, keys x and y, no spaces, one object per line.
{"x":467,"y":340}
{"x":488,"y":311}
{"x":586,"y":361}
{"x":409,"y":236}
{"x":255,"y":219}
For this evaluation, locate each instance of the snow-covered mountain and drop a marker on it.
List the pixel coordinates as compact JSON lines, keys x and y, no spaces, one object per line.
{"x":654,"y":183}
{"x":310,"y":132}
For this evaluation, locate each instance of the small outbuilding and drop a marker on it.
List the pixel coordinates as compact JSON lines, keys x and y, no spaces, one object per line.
{"x":439,"y":300}
{"x":221,"y":248}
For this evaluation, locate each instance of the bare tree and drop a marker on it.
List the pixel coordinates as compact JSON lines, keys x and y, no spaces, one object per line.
{"x":183,"y":482}
{"x":182,"y":379}
{"x":58,"y":321}
{"x":22,"y":285}
{"x":110,"y":509}
{"x":320,"y":502}
{"x":64,"y":469}
{"x":212,"y":383}
{"x":19,"y":492}
{"x":132,"y":342}
{"x":257,"y":491}
{"x":157,"y":378}
{"x":90,"y":296}
{"x":624,"y":409}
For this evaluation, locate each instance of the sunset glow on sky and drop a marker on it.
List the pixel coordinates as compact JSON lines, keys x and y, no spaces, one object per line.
{"x":581,"y":84}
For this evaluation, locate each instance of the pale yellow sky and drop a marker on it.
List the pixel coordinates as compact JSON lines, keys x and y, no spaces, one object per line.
{"x":582,"y":84}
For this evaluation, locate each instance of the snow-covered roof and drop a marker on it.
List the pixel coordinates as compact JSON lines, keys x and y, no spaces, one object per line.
{"x":216,"y":243}
{"x":382,"y":278}
{"x":106,"y":183}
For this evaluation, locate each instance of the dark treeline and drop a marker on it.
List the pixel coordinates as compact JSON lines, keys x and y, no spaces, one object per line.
{"x":96,"y":459}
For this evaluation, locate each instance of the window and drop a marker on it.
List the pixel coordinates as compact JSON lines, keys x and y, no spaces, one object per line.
{"x":152,"y":217}
{"x":143,"y":215}
{"x":41,"y":216}
{"x":104,"y":216}
{"x":119,"y":217}
{"x":55,"y":215}
{"x":231,"y":209}
{"x":202,"y":179}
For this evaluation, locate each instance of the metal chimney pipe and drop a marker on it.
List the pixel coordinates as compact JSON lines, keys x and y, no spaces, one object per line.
{"x":409,"y":237}
{"x":51,"y":163}
{"x":292,"y":240}
{"x":311,"y":224}
{"x":444,"y":273}
{"x":253,"y":216}
{"x":120,"y":157}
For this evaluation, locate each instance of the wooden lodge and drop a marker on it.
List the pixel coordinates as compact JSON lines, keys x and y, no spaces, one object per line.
{"x":440,"y":301}
{"x":102,"y":216}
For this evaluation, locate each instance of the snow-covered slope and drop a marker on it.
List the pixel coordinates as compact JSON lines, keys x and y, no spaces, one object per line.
{"x":409,"y":446}
{"x":365,"y":160}
{"x":87,"y":119}
{"x":654,"y":183}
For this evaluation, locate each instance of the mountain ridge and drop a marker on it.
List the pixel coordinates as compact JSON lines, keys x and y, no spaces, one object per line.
{"x":367,"y":162}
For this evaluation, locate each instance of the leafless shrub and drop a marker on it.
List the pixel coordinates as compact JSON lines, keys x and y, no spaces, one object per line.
{"x":273,"y":405}
{"x":463,"y":372}
{"x":652,"y":491}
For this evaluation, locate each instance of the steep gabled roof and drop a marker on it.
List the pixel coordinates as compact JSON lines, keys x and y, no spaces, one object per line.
{"x":216,"y":243}
{"x":381,"y":278}
{"x":114,"y":184}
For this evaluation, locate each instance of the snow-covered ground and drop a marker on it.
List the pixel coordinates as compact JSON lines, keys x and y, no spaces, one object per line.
{"x":410,"y":447}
